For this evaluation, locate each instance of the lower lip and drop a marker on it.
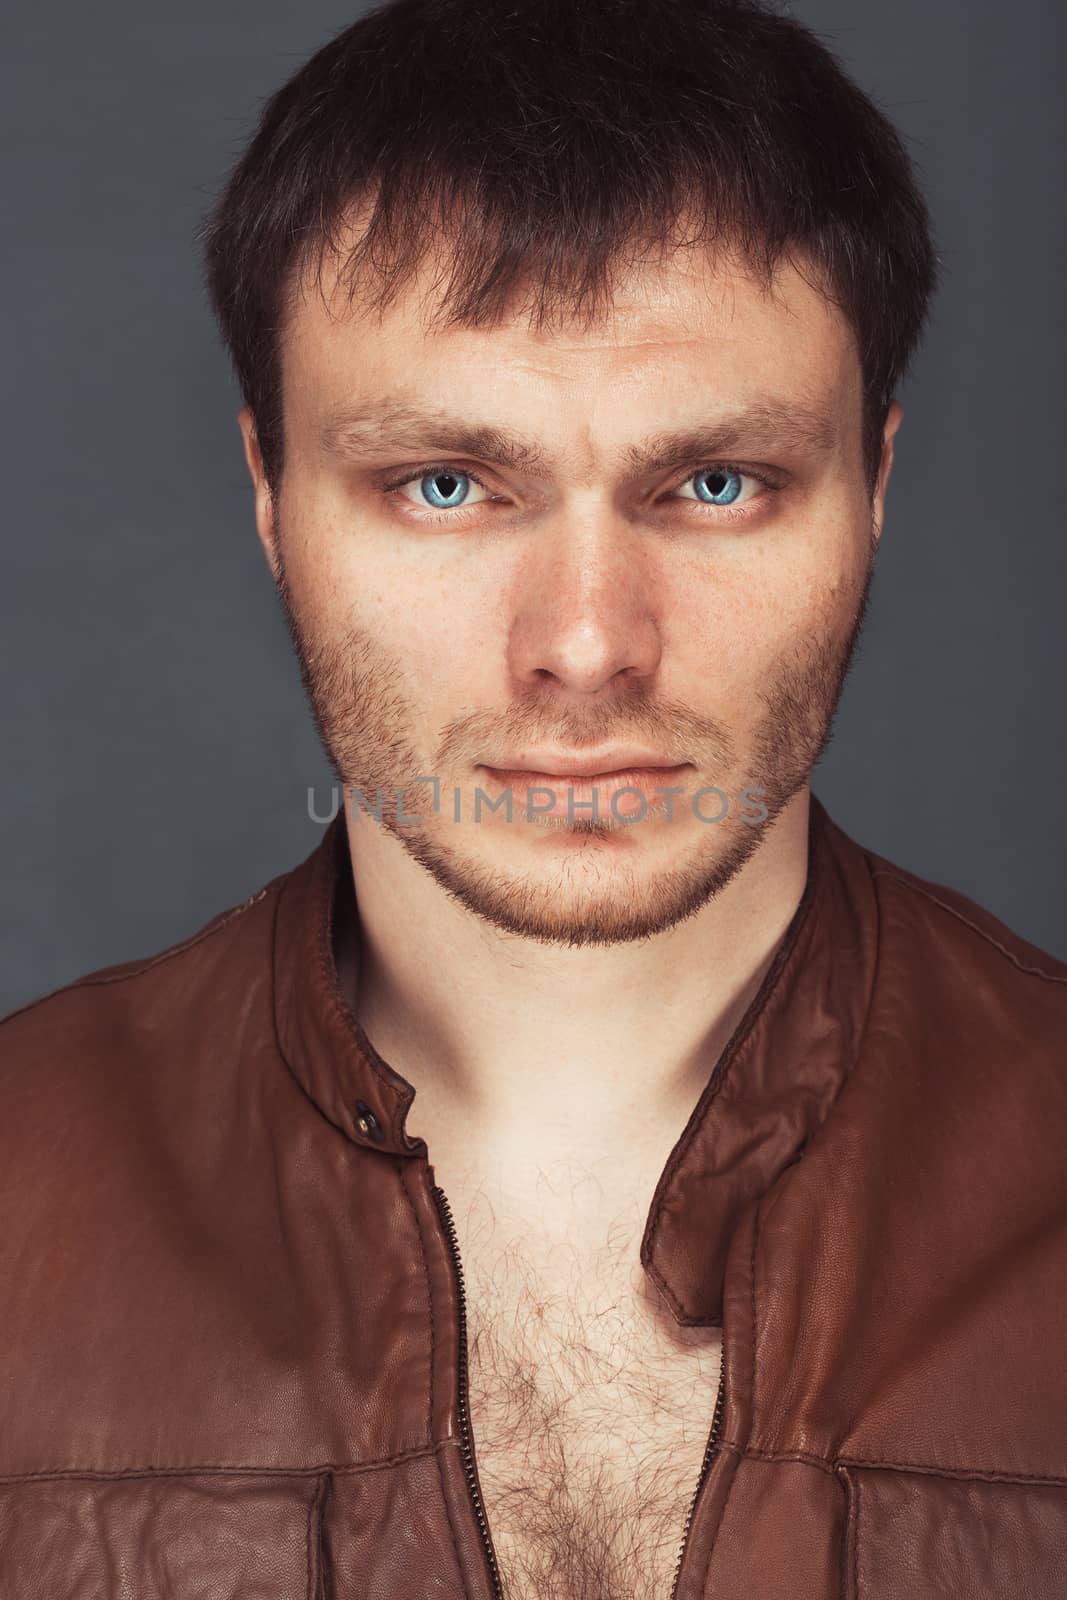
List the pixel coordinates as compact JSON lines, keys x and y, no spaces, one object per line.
{"x":575,"y":794}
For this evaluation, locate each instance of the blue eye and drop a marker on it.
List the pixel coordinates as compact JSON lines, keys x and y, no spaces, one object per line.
{"x":444,"y":489}
{"x":717,"y":486}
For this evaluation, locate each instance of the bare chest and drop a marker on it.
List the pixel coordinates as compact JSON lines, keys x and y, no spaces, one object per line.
{"x":590,"y":1410}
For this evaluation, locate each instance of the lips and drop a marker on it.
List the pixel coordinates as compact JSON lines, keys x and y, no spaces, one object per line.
{"x":585,"y":763}
{"x":572,"y":794}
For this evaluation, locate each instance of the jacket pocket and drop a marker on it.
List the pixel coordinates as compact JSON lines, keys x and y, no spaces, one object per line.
{"x":925,"y":1536}
{"x":213,"y":1535}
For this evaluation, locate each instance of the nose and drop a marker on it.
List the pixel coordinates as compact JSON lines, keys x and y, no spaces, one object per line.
{"x":586,"y":607}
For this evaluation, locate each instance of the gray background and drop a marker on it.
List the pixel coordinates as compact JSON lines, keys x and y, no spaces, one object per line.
{"x":156,"y":745}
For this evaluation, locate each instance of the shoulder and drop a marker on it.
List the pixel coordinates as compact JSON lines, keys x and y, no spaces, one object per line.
{"x":937,"y":1188}
{"x":961,"y":984}
{"x":955,"y":922}
{"x":68,"y":1055}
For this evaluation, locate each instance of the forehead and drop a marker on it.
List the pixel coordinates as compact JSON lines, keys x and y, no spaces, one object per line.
{"x":694,"y":320}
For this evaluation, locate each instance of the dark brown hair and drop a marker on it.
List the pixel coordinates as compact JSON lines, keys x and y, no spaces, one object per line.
{"x":543,"y":140}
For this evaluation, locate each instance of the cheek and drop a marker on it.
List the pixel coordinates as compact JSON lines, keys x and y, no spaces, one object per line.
{"x":430,"y":620}
{"x":352,"y":581}
{"x":734,"y":626}
{"x":730,"y":617}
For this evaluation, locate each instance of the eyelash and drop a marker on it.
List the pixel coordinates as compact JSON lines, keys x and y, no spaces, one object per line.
{"x":724,"y":513}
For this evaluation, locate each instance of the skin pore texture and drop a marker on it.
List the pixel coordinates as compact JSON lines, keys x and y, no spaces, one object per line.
{"x":558,"y":992}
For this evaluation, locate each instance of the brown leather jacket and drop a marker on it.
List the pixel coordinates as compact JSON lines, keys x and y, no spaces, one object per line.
{"x":233,"y":1321}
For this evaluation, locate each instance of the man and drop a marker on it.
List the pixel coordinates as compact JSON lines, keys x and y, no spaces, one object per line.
{"x":591,"y":1173}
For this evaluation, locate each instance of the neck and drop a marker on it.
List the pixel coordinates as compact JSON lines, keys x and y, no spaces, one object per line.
{"x":538,"y":1053}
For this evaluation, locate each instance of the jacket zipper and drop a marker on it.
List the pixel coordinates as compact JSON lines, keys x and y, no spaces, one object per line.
{"x":445,"y":1211}
{"x":710,"y":1451}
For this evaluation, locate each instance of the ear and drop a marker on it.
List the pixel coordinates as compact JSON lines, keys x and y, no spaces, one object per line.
{"x":266,"y":526}
{"x":894,"y":417}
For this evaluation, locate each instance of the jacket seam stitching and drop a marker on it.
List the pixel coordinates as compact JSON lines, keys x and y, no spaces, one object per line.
{"x":848,"y":1541}
{"x":313,"y":1505}
{"x":386,"y":1463}
{"x":307,"y":1540}
{"x":272,"y":983}
{"x":755,"y":1317}
{"x":236,"y":1469}
{"x":949,"y":1470}
{"x":855,"y":1537}
{"x":932,"y":1468}
{"x":401,"y":1171}
{"x":98,"y":980}
{"x":1037,"y":972}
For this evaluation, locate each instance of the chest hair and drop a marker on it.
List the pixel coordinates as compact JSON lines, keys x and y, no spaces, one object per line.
{"x":590,"y":1408}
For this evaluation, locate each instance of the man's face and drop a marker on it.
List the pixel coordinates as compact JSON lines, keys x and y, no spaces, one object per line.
{"x":627,"y":581}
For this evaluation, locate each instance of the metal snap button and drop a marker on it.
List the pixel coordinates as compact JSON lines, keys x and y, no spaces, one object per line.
{"x":367,"y":1122}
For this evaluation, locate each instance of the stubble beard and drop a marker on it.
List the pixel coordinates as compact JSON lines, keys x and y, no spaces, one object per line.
{"x":363,"y":716}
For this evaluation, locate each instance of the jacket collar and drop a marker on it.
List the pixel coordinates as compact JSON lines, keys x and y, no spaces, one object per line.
{"x":769,"y":1091}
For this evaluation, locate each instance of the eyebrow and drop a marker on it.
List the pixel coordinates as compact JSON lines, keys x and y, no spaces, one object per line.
{"x":401,"y":425}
